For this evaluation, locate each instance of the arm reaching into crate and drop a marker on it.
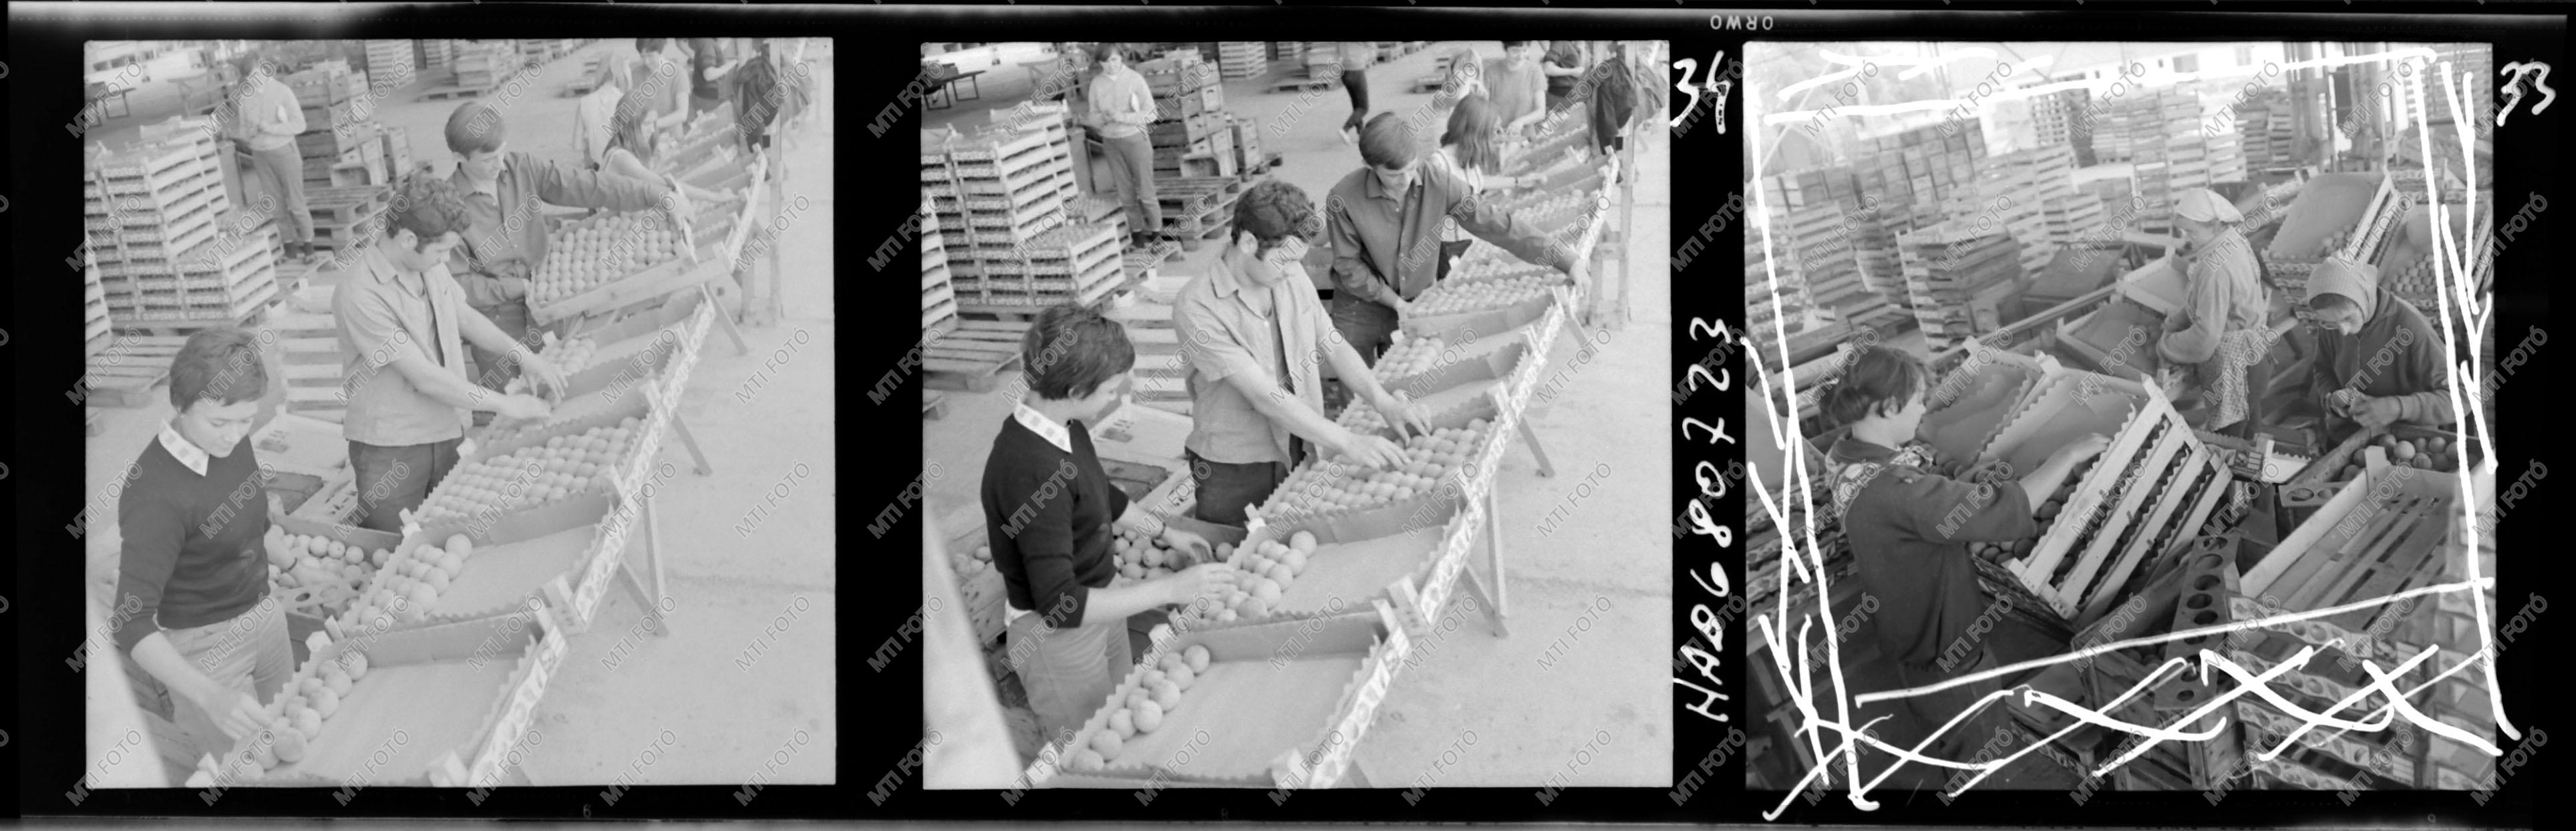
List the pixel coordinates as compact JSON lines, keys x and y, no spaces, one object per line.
{"x":571,"y":187}
{"x":481,"y":331}
{"x":376,"y":332}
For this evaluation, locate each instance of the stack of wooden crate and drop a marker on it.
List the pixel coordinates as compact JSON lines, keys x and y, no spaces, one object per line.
{"x":1001,"y":202}
{"x":1191,"y":135}
{"x":1959,"y":280}
{"x":938,"y":296}
{"x":1242,"y":59}
{"x":165,"y":256}
{"x":341,"y":143}
{"x":391,"y":61}
{"x":435,"y":56}
{"x":483,"y":64}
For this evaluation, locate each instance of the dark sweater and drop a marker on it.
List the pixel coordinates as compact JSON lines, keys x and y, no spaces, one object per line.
{"x":1047,"y":514}
{"x":2397,"y":354}
{"x":191,"y":554}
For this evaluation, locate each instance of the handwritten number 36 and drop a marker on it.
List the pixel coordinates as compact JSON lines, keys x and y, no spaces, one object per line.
{"x":1709,"y":84}
{"x":2539,"y":75}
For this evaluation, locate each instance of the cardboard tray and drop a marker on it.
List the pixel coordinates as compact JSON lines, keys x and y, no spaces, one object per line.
{"x":515,"y":555}
{"x":1468,"y":325}
{"x":2329,"y":466}
{"x":1437,"y":506}
{"x":1958,"y":432}
{"x":310,"y":601}
{"x":1281,"y":705}
{"x":2035,"y":430}
{"x":1488,"y":358}
{"x":440,"y":706}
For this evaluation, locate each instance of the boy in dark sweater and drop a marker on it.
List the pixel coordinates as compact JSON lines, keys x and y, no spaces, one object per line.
{"x":1049,"y":512}
{"x":192,"y":570}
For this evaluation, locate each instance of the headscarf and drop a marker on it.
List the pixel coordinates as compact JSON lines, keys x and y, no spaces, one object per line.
{"x":2356,"y":281}
{"x":2205,"y":205}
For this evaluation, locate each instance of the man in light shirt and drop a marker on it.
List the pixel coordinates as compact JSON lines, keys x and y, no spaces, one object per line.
{"x":403,"y":324}
{"x":266,"y":120}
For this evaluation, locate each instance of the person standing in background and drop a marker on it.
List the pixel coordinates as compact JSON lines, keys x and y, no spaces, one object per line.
{"x":266,"y":120}
{"x":1564,"y":67}
{"x":1356,"y":56}
{"x":707,"y":70}
{"x":591,"y":118}
{"x":1121,"y":105}
{"x":1518,"y":87}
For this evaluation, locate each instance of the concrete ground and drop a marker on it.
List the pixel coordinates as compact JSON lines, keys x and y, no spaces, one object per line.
{"x":748,"y":669}
{"x":1579,"y":695}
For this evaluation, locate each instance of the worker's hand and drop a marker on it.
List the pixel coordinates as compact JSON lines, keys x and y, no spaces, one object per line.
{"x":1407,"y":421}
{"x":521,"y":407}
{"x":1187,"y":544}
{"x":233,"y":711}
{"x":1581,"y":271}
{"x":2375,"y":414}
{"x":545,"y":375}
{"x":1372,"y":452}
{"x":2341,"y":401}
{"x":1199,"y":582}
{"x":513,"y":288}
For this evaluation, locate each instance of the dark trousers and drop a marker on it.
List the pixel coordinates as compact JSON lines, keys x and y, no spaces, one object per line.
{"x":1368,"y":326}
{"x":391,"y":480}
{"x":1224,"y":490}
{"x":1931,"y":711}
{"x":1355,"y":82}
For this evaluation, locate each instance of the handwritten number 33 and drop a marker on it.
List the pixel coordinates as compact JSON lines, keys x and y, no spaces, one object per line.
{"x":2539,"y":75}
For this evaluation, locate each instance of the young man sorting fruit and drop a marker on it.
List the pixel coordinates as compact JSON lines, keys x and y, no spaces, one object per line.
{"x":504,"y":232}
{"x":1050,"y":512}
{"x":2378,"y":360}
{"x":1386,"y":223}
{"x":1254,"y":337}
{"x":192,"y":581}
{"x":401,"y":319}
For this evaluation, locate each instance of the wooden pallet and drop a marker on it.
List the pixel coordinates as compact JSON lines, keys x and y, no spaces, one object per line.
{"x":973,"y":358}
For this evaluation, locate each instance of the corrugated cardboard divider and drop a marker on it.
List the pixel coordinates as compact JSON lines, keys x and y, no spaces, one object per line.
{"x":1980,"y":406}
{"x":1271,"y":691}
{"x":1467,"y":368}
{"x":631,"y":362}
{"x":422,"y":698}
{"x":1468,"y":324}
{"x":2036,"y":431}
{"x":565,"y":516}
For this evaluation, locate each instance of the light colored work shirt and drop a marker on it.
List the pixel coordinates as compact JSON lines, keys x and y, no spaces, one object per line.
{"x":1120,"y":100}
{"x":382,"y":313}
{"x":268,"y":112}
{"x":1222,"y":335}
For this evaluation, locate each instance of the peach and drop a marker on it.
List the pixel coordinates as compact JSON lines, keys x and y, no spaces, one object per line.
{"x":1149,"y":716}
{"x":1123,"y":723}
{"x":1197,"y":655}
{"x":1105,"y":744}
{"x":1182,"y":677}
{"x":326,"y":702}
{"x":1168,"y":695}
{"x":1087,"y":759}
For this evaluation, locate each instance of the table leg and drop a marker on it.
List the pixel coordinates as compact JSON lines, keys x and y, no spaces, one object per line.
{"x":1536,"y":452}
{"x":725,"y":320}
{"x":1493,"y":597}
{"x":681,"y":429}
{"x":974,"y":89}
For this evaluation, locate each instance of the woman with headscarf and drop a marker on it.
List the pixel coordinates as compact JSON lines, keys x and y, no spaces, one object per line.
{"x":2378,"y":360}
{"x":2219,"y":336}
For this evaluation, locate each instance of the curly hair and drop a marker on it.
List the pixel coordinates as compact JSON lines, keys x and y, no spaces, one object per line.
{"x":427,"y":205}
{"x":1070,"y":351}
{"x":1274,"y":211}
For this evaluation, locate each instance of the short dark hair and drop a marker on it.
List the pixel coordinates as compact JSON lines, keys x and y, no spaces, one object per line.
{"x":649,"y":45}
{"x":427,"y":205}
{"x":1274,"y":211}
{"x":1873,"y":378}
{"x":1070,"y":351}
{"x":221,"y":365}
{"x":1511,"y":43}
{"x":1386,"y":141}
{"x":1102,"y":50}
{"x":475,"y":127}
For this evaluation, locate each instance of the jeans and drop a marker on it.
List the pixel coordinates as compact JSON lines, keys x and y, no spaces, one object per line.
{"x":1931,"y":711}
{"x":1224,"y":490}
{"x":1068,"y":673}
{"x":247,"y":654}
{"x":1131,"y":167}
{"x":391,"y":480}
{"x":1355,"y":82}
{"x":281,"y":173}
{"x":1368,"y":326}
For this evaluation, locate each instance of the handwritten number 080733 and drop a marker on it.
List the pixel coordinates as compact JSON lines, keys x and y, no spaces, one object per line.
{"x":1708,"y":84}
